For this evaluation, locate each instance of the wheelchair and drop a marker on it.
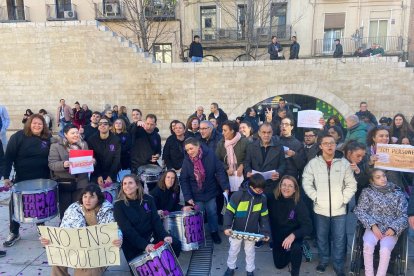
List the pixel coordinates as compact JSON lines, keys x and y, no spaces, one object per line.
{"x":398,"y":260}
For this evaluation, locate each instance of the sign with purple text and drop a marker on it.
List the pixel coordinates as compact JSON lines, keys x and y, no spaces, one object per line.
{"x":40,"y":205}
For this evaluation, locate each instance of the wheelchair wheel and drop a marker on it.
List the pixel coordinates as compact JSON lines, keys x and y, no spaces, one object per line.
{"x":400,"y":255}
{"x":357,"y":257}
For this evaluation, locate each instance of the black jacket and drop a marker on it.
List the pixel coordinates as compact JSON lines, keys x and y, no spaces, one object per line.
{"x":144,"y":146}
{"x":87,"y":114}
{"x":1,"y":160}
{"x":222,"y":117}
{"x":367,"y":114}
{"x":107,"y":154}
{"x":410,"y":210}
{"x":89,"y":131}
{"x":124,"y":117}
{"x":296,"y":163}
{"x":274,"y":49}
{"x":286,"y":218}
{"x":311,"y":151}
{"x":28,"y":155}
{"x":294,"y":50}
{"x":173,"y":153}
{"x":339,"y":52}
{"x":203,"y":117}
{"x":166,"y":200}
{"x":196,"y":50}
{"x":126,"y":145}
{"x":138,"y":221}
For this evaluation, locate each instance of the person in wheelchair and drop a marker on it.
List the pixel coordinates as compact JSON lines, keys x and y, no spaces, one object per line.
{"x":382,"y":209}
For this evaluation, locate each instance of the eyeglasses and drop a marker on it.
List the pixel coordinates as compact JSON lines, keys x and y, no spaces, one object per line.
{"x":327,"y":144}
{"x":103,"y":124}
{"x":309,"y":136}
{"x":204,"y":128}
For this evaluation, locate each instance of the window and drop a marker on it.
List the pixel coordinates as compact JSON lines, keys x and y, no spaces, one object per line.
{"x":63,"y":6}
{"x":208,"y":19}
{"x":241,"y":21}
{"x":378,"y":32}
{"x":163,"y":53}
{"x":333,"y":29}
{"x":278,"y":19}
{"x":15,"y":10}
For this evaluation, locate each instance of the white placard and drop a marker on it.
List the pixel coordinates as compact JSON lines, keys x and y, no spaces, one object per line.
{"x":310,"y":119}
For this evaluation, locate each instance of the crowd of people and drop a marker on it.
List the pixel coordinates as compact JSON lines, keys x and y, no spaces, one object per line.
{"x":276,"y":185}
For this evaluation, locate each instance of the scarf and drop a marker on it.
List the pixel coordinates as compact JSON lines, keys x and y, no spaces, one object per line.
{"x":90,"y":216}
{"x":199,"y":172}
{"x":77,"y":146}
{"x":388,"y":188}
{"x":231,"y":156}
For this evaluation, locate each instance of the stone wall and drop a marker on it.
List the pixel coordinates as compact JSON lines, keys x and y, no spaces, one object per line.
{"x":85,"y":62}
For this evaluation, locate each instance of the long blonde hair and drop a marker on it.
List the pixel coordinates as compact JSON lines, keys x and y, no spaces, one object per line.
{"x":140,"y":190}
{"x":278,"y":193}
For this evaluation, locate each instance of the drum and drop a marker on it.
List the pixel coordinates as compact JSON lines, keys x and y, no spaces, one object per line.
{"x":247,"y":236}
{"x":188,"y":227}
{"x":149,"y":175}
{"x":111,"y":192}
{"x":159,"y":262}
{"x":35,"y":201}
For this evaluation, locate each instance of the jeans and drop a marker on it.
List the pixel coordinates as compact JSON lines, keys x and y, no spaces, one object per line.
{"x":210,"y":207}
{"x":62,"y":123}
{"x":337,"y":227}
{"x":3,"y":138}
{"x":196,"y":59}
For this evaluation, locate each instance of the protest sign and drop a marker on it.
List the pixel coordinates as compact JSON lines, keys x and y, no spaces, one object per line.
{"x":81,"y":161}
{"x":395,"y":157}
{"x":310,"y":119}
{"x":85,"y":247}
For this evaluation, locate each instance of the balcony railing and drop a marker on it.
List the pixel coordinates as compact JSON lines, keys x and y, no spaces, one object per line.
{"x":109,"y":11}
{"x":391,"y":44}
{"x":228,"y":35}
{"x":61,"y":12}
{"x":160,"y":10}
{"x":19,"y":13}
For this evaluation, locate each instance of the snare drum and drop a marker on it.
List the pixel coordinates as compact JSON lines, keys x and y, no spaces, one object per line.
{"x":149,"y":174}
{"x":188,"y":227}
{"x":111,"y":193}
{"x":159,"y":262}
{"x":35,"y":201}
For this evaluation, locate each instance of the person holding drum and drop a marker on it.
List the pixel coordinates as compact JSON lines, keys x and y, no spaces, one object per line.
{"x":119,"y":129}
{"x":107,"y":152}
{"x":136,"y":215}
{"x":199,"y":176}
{"x":70,"y":186}
{"x":173,"y":152}
{"x":27,"y":151}
{"x":167,"y":194}
{"x":90,"y":209}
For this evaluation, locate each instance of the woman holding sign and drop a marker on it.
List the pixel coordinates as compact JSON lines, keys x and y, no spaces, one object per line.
{"x":136,"y":215}
{"x":70,"y":186}
{"x":91,"y":209}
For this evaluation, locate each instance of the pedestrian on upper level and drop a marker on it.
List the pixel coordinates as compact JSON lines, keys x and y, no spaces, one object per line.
{"x":339,"y":52}
{"x":196,"y":50}
{"x":199,"y":113}
{"x":364,"y":112}
{"x":294,"y":49}
{"x":274,"y":48}
{"x":64,"y":116}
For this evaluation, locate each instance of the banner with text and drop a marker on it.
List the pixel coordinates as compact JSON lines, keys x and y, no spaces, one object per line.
{"x":81,"y":161}
{"x":395,"y":157}
{"x":85,"y":247}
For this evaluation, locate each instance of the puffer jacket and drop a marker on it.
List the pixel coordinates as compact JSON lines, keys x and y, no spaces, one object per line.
{"x":386,"y":209}
{"x":246,"y":211}
{"x":358,"y":132}
{"x":330,"y":189}
{"x":75,"y":217}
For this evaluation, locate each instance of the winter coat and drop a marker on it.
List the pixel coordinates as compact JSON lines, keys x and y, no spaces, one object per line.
{"x":369,"y":115}
{"x":89,"y":131}
{"x":126,"y":145}
{"x":247,"y":212}
{"x":296,"y":163}
{"x":339,"y":52}
{"x":144,"y":146}
{"x":222,"y":117}
{"x":173,"y":153}
{"x":196,"y":50}
{"x":311,"y":151}
{"x":57,"y":156}
{"x":274,"y":49}
{"x":166,"y":200}
{"x":203,"y":117}
{"x":294,"y":50}
{"x":385,"y":209}
{"x":78,"y":117}
{"x":212,"y":141}
{"x":254,"y":122}
{"x":287,"y":217}
{"x":214,"y":171}
{"x":1,"y":160}
{"x":330,"y":189}
{"x":67,"y":113}
{"x":410,"y":210}
{"x":239,"y":150}
{"x":124,"y":117}
{"x":275,"y":160}
{"x":358,"y":132}
{"x":75,"y":217}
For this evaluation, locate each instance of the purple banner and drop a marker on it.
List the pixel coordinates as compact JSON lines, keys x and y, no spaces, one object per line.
{"x":40,"y":205}
{"x":166,"y":265}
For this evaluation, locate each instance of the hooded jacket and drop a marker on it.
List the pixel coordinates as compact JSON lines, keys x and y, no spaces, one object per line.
{"x":246,"y":211}
{"x":358,"y":132}
{"x":330,"y":189}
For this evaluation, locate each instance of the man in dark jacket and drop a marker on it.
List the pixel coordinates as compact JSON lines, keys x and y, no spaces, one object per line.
{"x":310,"y":144}
{"x":199,"y":176}
{"x":365,"y":113}
{"x":218,"y":114}
{"x":146,"y":144}
{"x":294,"y":49}
{"x":91,"y":128}
{"x":199,"y":113}
{"x":266,"y":154}
{"x":274,"y":48}
{"x":107,"y":153}
{"x":294,"y":152}
{"x":339,"y":52}
{"x":209,"y":136}
{"x":2,"y":252}
{"x":196,"y":50}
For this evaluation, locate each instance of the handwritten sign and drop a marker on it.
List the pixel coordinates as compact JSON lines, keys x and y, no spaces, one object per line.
{"x":162,"y":264}
{"x":193,"y":226}
{"x":85,"y":247}
{"x":310,"y":119}
{"x":81,"y":161}
{"x":395,"y":157}
{"x":40,"y":205}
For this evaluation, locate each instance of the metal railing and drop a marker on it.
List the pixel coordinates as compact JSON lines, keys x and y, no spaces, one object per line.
{"x":160,"y":9}
{"x":18,"y":13}
{"x":110,"y":11}
{"x":282,"y":32}
{"x":61,"y":12}
{"x":390,"y":44}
